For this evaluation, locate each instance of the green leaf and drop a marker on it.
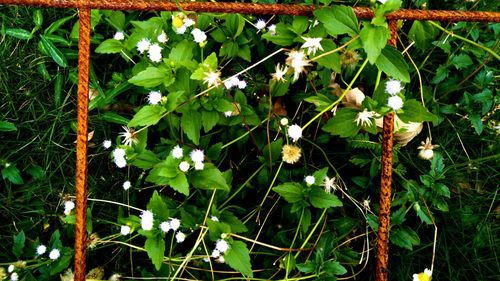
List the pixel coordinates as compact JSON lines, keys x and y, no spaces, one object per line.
{"x":392,"y":63}
{"x":215,"y":229}
{"x":321,"y":199}
{"x":461,"y":61}
{"x":331,"y":61}
{"x":209,"y":119}
{"x":150,"y":77}
{"x":343,"y":123}
{"x":191,"y":124}
{"x":113,"y":117}
{"x":38,"y":17}
{"x":414,"y":111}
{"x":158,"y":206}
{"x":18,"y":246}
{"x":442,"y":189}
{"x":283,"y":36}
{"x":477,"y":122}
{"x":7,"y":126}
{"x":147,"y":115}
{"x":404,"y":237}
{"x":300,"y":25}
{"x":145,"y":160}
{"x":334,"y":268}
{"x":209,"y":178}
{"x":182,"y":51}
{"x":54,"y":52}
{"x":117,"y":20}
{"x":291,"y":191}
{"x":180,"y":183}
{"x":155,"y":247}
{"x":423,"y":33}
{"x":374,"y":39}
{"x":12,"y":174}
{"x":235,"y":24}
{"x":57,"y":24}
{"x":18,"y":33}
{"x":307,"y":267}
{"x":109,"y":46}
{"x":338,"y":20}
{"x":238,"y":258}
{"x":289,"y":263}
{"x":237,"y":226}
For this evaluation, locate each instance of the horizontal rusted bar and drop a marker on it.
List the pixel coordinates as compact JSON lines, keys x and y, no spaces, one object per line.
{"x":258,"y":9}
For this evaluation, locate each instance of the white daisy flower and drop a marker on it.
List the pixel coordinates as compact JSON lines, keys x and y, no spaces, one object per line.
{"x":295,"y":132}
{"x":154,"y":52}
{"x":197,"y":155}
{"x":297,"y":60}
{"x":54,"y":254}
{"x":393,"y":87}
{"x":126,"y":185}
{"x":184,"y":166}
{"x":280,"y":73}
{"x":165,"y":226}
{"x":260,"y":24}
{"x":180,"y":237}
{"x":175,"y":223}
{"x":162,"y":38}
{"x":177,"y":152}
{"x":147,"y":220}
{"x":312,"y":45}
{"x":119,"y":36}
{"x":129,"y":136}
{"x":143,"y":45}
{"x":212,"y":78}
{"x":423,"y":276}
{"x":330,"y":184}
{"x":106,"y":144}
{"x":125,"y":230}
{"x":154,"y":97}
{"x":310,"y":180}
{"x":221,"y":245}
{"x":68,"y":207}
{"x":199,"y":35}
{"x":395,"y":102}
{"x":41,"y":249}
{"x":364,"y":117}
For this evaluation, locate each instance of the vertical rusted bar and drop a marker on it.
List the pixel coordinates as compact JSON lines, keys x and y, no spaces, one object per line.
{"x":382,"y":267}
{"x":81,"y":141}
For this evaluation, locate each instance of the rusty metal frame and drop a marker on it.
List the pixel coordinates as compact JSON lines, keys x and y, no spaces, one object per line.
{"x":85,"y":6}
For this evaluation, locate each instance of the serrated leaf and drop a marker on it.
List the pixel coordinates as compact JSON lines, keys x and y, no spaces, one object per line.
{"x":338,"y":20}
{"x":392,"y":63}
{"x":54,"y":52}
{"x":155,"y":247}
{"x":343,"y":123}
{"x":147,"y":115}
{"x":158,"y":206}
{"x":209,"y":178}
{"x":404,"y":237}
{"x":109,"y":46}
{"x":18,"y":246}
{"x":191,"y":124}
{"x":461,"y":61}
{"x":180,"y":183}
{"x":12,"y":174}
{"x":18,"y":33}
{"x":331,"y":61}
{"x":334,"y":268}
{"x":306,"y":267}
{"x":321,"y":199}
{"x":236,"y":224}
{"x":209,"y":119}
{"x":183,"y":51}
{"x":374,"y":39}
{"x":238,"y":258}
{"x":414,"y":111}
{"x":7,"y":126}
{"x":150,"y":77}
{"x":291,"y":191}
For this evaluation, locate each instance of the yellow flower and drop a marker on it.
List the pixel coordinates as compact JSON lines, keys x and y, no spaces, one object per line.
{"x":423,"y":276}
{"x":291,"y":153}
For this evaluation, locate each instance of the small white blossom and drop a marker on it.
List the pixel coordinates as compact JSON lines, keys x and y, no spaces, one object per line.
{"x":10,"y":268}
{"x":126,"y":185}
{"x":212,"y":78}
{"x":312,"y":45}
{"x":214,"y":218}
{"x":154,"y":52}
{"x":242,"y":84}
{"x":121,"y":162}
{"x":165,"y":226}
{"x":393,"y":87}
{"x":330,"y":184}
{"x":54,"y":254}
{"x":184,"y":166}
{"x":180,"y":237}
{"x":175,"y":224}
{"x":119,"y":157}
{"x":280,"y":73}
{"x":119,"y":36}
{"x":221,"y":245}
{"x":197,"y":155}
{"x":215,"y":254}
{"x":260,"y":24}
{"x":395,"y":102}
{"x":272,"y":29}
{"x":228,"y":113}
{"x":162,"y":38}
{"x":220,"y":259}
{"x":199,"y":166}
{"x":426,"y":149}
{"x":147,"y":220}
{"x":129,"y":136}
{"x":124,"y":230}
{"x":297,"y":60}
{"x":382,"y":1}
{"x":188,"y":22}
{"x":364,"y":117}
{"x":41,"y":249}
{"x":231,"y":82}
{"x":199,"y":35}
{"x":177,"y":152}
{"x":68,"y":207}
{"x":423,"y":276}
{"x":115,"y":277}
{"x":143,"y":45}
{"x":14,"y":276}
{"x":295,"y":132}
{"x":181,"y":30}
{"x":106,"y":144}
{"x":310,"y":180}
{"x":154,"y":97}
{"x":284,"y":121}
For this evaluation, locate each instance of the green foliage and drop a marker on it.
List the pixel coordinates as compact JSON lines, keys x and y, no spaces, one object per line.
{"x":238,"y":258}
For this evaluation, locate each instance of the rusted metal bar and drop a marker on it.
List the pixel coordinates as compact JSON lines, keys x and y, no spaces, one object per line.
{"x":259,"y":9}
{"x":81,"y":143}
{"x":384,"y":217}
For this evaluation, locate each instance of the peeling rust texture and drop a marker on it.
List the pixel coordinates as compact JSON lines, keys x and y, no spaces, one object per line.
{"x":81,"y":144}
{"x":384,"y":220}
{"x":258,"y":9}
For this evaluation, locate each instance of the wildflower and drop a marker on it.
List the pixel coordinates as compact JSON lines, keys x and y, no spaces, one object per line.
{"x":124,"y":230}
{"x":147,"y":220}
{"x":178,"y":20}
{"x":366,"y":204}
{"x":143,"y":45}
{"x":423,"y":276}
{"x":215,"y":254}
{"x":295,"y":132}
{"x":242,"y":84}
{"x":310,"y":180}
{"x":228,"y":113}
{"x":162,"y":38}
{"x":297,"y":60}
{"x":129,"y":136}
{"x":180,"y":237}
{"x":395,"y":102}
{"x":93,"y":240}
{"x":221,"y":245}
{"x":154,"y":97}
{"x":214,"y":218}
{"x":175,"y":224}
{"x":106,"y":144}
{"x":364,"y":117}
{"x":188,"y":22}
{"x":184,"y":166}
{"x":212,"y":78}
{"x":284,"y":121}
{"x":199,"y":36}
{"x":312,"y":45}
{"x":68,"y":207}
{"x":165,"y":226}
{"x":426,"y":149}
{"x":393,"y":87}
{"x":10,"y":268}
{"x":119,"y":36}
{"x":181,"y":30}
{"x":14,"y":276}
{"x":291,"y":153}
{"x":349,"y":58}
{"x":272,"y":29}
{"x":197,"y":155}
{"x":177,"y":152}
{"x":260,"y":24}
{"x":115,"y":277}
{"x":330,"y":184}
{"x":280,"y":73}
{"x":119,"y":157}
{"x":220,"y":259}
{"x":54,"y":254}
{"x":154,"y":52}
{"x":126,"y":185}
{"x":199,"y":166}
{"x":40,"y":249}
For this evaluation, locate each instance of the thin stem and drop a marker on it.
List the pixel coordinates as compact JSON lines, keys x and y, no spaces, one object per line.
{"x":243,"y":135}
{"x":312,"y":232}
{"x":241,"y":187}
{"x":272,"y":184}
{"x":336,"y":49}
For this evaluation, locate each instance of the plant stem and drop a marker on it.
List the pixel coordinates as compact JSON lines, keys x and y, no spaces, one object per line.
{"x":312,"y":232}
{"x":271,"y":185}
